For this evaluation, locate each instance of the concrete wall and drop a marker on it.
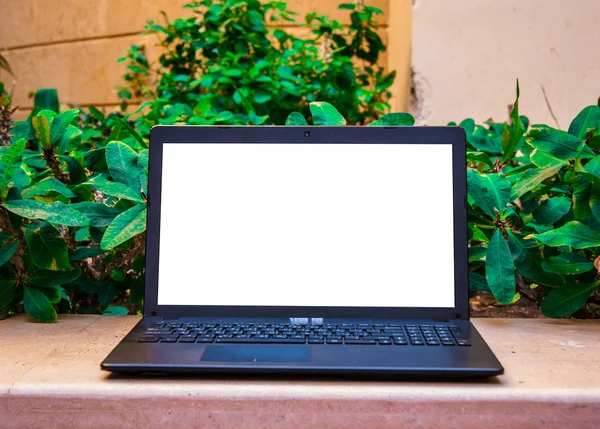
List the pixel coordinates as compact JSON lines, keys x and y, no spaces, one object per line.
{"x":73,"y":45}
{"x":467,"y":55}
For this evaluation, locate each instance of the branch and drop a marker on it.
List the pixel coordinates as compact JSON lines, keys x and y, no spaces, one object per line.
{"x":550,"y":107}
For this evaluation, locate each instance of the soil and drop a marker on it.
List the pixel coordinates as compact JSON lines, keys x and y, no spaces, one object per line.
{"x":484,"y":305}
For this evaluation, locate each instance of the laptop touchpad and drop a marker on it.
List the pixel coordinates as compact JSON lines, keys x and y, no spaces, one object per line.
{"x":255,"y":353}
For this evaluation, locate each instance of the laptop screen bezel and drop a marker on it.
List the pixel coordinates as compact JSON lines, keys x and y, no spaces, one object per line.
{"x":455,"y":136}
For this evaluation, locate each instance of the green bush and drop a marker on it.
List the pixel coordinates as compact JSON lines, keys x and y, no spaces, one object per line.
{"x":73,"y":192}
{"x":534,"y":208}
{"x":224,"y":65}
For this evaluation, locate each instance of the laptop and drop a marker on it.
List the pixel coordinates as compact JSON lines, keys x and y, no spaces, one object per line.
{"x":334,"y":251}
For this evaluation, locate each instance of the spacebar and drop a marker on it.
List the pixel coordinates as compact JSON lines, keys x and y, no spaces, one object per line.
{"x":261,"y":340}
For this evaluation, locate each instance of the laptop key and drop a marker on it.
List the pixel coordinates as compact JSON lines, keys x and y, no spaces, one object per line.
{"x":356,"y":342}
{"x":400,"y":341}
{"x":461,"y":342}
{"x":149,"y":339}
{"x":385,"y":342}
{"x":168,"y":339}
{"x":187,"y":339}
{"x":315,"y":341}
{"x":334,"y":341}
{"x":447,"y":343}
{"x":204,"y":339}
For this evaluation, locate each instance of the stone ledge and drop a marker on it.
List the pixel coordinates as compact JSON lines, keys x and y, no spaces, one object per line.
{"x":51,"y":373}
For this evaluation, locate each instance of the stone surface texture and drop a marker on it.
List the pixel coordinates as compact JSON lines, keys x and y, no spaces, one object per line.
{"x":468,"y":54}
{"x":50,"y":373}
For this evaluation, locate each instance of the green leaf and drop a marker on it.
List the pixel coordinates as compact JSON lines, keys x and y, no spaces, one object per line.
{"x":529,"y":262}
{"x":84,"y":253}
{"x":587,"y":120}
{"x":70,"y":139}
{"x":83,"y":234}
{"x":46,"y":99}
{"x":566,"y":300}
{"x":56,"y":212}
{"x":573,"y":234}
{"x":559,"y":144}
{"x":46,"y":247}
{"x":531,"y":179}
{"x":489,"y":191}
{"x":7,"y":292}
{"x":480,"y":158}
{"x":131,"y":131}
{"x":98,"y":115}
{"x":76,"y":173}
{"x":512,"y":134}
{"x":582,"y":189}
{"x":399,"y":119}
{"x":122,"y":165}
{"x":477,"y":282}
{"x":551,"y":210}
{"x":477,"y":253}
{"x":49,"y":184}
{"x":38,"y":305}
{"x":261,"y":97}
{"x":143,"y":158}
{"x":128,"y":224}
{"x":118,"y":275}
{"x":499,"y":269}
{"x":296,"y":119}
{"x":99,"y":214}
{"x":570,"y":264}
{"x":542,"y":159}
{"x":256,"y":119}
{"x":325,"y":114}
{"x":106,"y":293}
{"x":592,"y":169}
{"x":115,"y":310}
{"x":10,"y":162}
{"x":7,"y":251}
{"x":60,"y":125}
{"x":595,"y":201}
{"x":483,"y":141}
{"x":5,"y":65}
{"x":21,"y":179}
{"x":114,"y":189}
{"x":41,"y":125}
{"x":46,"y":278}
{"x":52,"y":293}
{"x":136,"y":292}
{"x":142,"y":169}
{"x":4,"y":237}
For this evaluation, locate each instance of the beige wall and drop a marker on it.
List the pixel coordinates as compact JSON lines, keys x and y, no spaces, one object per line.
{"x":73,"y":45}
{"x":467,"y":55}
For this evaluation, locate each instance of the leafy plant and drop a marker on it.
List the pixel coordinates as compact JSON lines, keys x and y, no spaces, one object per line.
{"x":226,"y":66}
{"x":534,"y":211}
{"x":72,"y":214}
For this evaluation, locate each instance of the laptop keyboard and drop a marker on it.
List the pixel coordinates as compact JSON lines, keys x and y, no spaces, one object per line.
{"x":267,"y":333}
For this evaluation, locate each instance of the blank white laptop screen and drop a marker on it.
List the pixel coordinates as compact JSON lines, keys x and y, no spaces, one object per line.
{"x":333,"y":225}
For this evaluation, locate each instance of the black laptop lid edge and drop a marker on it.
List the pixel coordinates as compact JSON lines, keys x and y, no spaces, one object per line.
{"x":454,"y":136}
